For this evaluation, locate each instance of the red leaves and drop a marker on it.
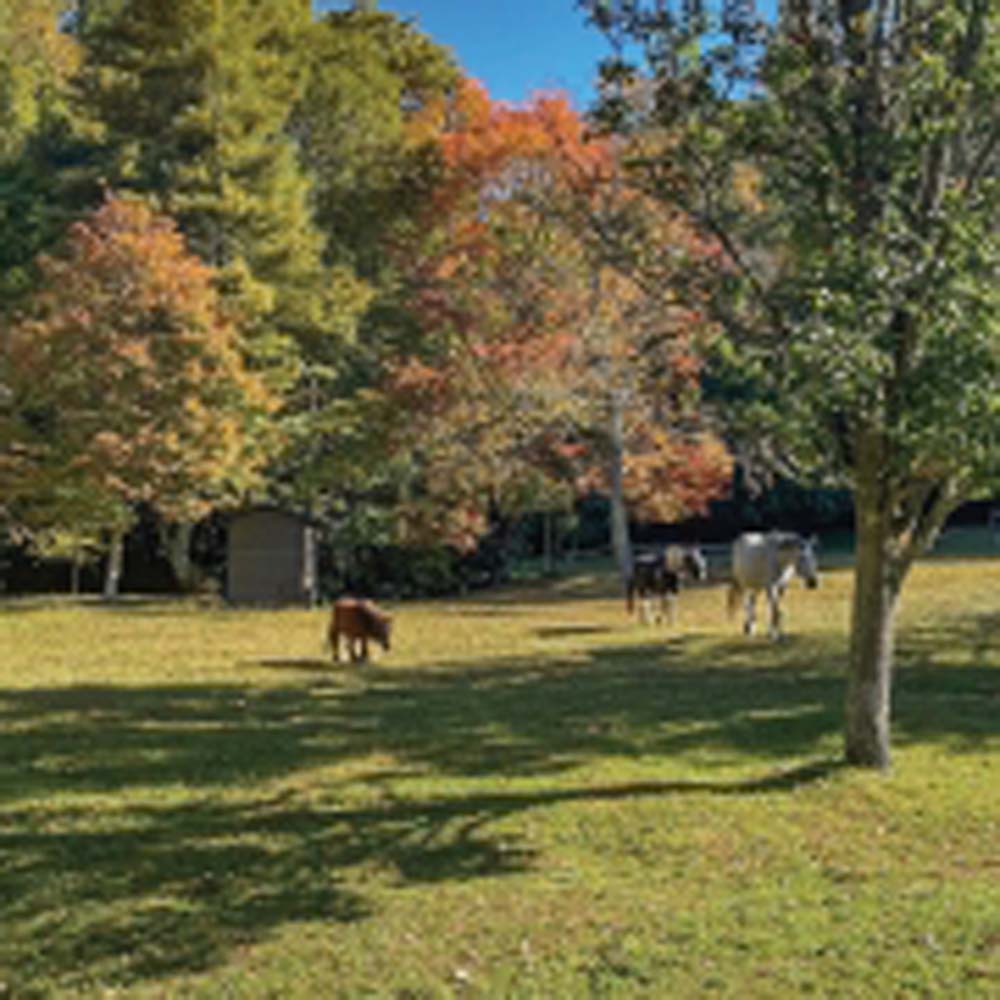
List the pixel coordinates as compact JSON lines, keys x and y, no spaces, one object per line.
{"x":529,"y":324}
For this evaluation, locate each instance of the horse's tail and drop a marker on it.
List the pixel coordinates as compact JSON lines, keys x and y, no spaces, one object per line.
{"x":733,"y":598}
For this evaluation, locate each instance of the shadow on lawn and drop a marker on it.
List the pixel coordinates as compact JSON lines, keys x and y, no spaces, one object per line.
{"x":197,"y":854}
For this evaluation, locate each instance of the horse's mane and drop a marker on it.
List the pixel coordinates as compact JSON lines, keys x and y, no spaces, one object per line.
{"x":787,"y":539}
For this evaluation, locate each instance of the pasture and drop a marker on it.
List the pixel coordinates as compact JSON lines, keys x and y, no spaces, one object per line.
{"x":530,"y":796}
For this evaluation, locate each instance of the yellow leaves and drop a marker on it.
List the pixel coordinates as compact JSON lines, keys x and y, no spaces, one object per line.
{"x":36,"y":59}
{"x":136,"y":353}
{"x":746,"y":186}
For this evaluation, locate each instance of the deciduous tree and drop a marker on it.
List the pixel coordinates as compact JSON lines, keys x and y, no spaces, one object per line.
{"x":193,"y":102}
{"x":846,"y":158}
{"x":543,"y":362}
{"x":127,"y":383}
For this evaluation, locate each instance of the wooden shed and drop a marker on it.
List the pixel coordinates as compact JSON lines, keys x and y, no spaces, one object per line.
{"x":271,"y":558}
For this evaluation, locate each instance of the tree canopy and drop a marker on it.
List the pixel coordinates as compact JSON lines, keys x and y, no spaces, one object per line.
{"x":417,"y":278}
{"x":535,"y":343}
{"x":845,"y":158}
{"x":126,"y":382}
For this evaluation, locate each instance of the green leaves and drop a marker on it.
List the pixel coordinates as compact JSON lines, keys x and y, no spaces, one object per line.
{"x":852,"y":193}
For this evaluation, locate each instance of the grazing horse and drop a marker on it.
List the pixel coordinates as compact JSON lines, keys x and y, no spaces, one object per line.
{"x":658,"y":575}
{"x":768,"y":562}
{"x":357,"y":621}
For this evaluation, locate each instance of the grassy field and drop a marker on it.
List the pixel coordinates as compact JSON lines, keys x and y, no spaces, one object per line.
{"x":530,"y":796}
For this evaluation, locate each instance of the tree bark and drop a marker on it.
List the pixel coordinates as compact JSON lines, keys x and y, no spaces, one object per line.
{"x":620,"y":544}
{"x":873,"y":626}
{"x":548,"y":553}
{"x":113,"y":572}
{"x":177,"y":541}
{"x":74,"y":573}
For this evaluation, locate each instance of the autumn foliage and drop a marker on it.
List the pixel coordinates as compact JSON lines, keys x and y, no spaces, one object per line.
{"x":529,"y":328}
{"x":126,"y":379}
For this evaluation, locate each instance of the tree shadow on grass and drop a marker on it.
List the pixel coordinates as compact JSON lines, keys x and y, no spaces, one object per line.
{"x":144,"y":831}
{"x":300,"y":663}
{"x":176,"y":890}
{"x":570,"y":631}
{"x":947,"y":684}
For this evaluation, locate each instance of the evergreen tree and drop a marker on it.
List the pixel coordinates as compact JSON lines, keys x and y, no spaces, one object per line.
{"x":193,"y":99}
{"x":36,"y":62}
{"x":376,"y":89}
{"x":367,"y":124}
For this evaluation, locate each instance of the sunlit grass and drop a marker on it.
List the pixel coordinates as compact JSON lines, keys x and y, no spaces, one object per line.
{"x":529,"y":796}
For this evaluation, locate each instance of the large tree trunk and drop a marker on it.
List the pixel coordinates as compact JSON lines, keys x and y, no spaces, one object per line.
{"x":893,"y":526}
{"x":873,"y":624}
{"x":113,"y":572}
{"x":620,"y":544}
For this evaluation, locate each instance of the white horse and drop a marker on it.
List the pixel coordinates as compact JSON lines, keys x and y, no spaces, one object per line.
{"x":767,"y":562}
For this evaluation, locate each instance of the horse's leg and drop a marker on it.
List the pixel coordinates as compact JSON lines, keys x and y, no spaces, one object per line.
{"x":774,"y":599}
{"x":364,"y":649}
{"x":335,"y":644}
{"x":750,"y":612}
{"x":670,"y":602}
{"x":734,"y":598}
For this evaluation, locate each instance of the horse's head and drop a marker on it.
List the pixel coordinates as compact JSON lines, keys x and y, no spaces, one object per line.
{"x":806,"y":565}
{"x":695,"y":563}
{"x":377,"y":623}
{"x":384,"y":630}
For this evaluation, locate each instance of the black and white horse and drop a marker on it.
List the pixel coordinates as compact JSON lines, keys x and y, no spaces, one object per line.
{"x":767,"y":562}
{"x":655,"y":580}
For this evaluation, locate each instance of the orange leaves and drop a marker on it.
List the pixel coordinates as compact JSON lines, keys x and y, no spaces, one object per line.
{"x":668,"y":477}
{"x":494,"y":144}
{"x":488,"y":136}
{"x":457,"y":524}
{"x":530,"y":324}
{"x":126,"y":350}
{"x":419,"y":386}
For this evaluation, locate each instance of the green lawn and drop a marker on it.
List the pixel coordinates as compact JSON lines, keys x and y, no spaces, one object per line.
{"x":529,"y":796}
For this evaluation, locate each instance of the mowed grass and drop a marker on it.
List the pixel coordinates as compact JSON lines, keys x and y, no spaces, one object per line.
{"x":529,"y":796}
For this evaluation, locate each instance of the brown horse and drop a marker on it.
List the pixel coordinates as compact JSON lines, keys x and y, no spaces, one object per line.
{"x":358,"y":621}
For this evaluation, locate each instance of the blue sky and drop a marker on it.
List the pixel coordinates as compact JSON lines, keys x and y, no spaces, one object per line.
{"x":514,"y":47}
